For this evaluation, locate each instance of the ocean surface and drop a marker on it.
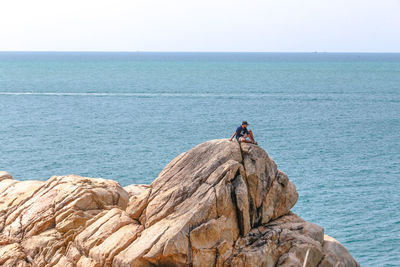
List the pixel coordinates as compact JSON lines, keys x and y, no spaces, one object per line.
{"x":330,"y":121}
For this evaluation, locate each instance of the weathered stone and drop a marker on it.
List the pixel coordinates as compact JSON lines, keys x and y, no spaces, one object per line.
{"x":282,"y":242}
{"x":220,"y":204}
{"x":279,"y":199}
{"x":242,"y":204}
{"x":138,"y":202}
{"x":105,"y":252}
{"x":186,"y":176}
{"x":336,"y":255}
{"x":11,"y":254}
{"x":87,"y":262}
{"x":5,"y":175}
{"x":136,"y":189}
{"x":104,"y":226}
{"x":43,"y":217}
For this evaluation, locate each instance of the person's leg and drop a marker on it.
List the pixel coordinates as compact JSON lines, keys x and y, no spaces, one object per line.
{"x":252,"y":137}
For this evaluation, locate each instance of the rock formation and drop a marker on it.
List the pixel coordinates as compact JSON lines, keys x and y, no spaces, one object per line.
{"x":220,"y":204}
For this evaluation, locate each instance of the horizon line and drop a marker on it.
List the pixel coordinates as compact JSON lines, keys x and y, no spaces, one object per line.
{"x":177,"y":51}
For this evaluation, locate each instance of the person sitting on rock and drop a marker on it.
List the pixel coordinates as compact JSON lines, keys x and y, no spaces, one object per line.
{"x":242,"y":133}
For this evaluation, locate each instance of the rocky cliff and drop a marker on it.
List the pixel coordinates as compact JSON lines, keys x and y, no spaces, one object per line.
{"x":219,"y":204}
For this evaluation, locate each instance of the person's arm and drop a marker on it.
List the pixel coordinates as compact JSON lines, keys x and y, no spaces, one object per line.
{"x":232,"y":136}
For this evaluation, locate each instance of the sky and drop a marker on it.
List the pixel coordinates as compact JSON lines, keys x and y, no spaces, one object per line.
{"x":201,"y":25}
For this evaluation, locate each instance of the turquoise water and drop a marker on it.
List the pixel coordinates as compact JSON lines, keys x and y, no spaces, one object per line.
{"x":330,"y":121}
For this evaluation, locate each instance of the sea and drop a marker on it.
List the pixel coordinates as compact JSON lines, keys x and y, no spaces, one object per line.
{"x":331,"y":121}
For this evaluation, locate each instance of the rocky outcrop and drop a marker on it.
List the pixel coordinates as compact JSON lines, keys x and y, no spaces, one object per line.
{"x":220,"y":204}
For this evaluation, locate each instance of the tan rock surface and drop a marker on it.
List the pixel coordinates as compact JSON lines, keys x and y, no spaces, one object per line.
{"x":5,"y":175}
{"x":136,"y":189}
{"x":336,"y":254}
{"x":220,"y":204}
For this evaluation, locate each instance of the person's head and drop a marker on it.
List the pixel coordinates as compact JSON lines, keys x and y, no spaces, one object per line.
{"x":244,"y":124}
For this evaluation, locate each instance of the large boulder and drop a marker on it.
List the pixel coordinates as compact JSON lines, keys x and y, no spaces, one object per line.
{"x":38,"y":220}
{"x":208,"y":196}
{"x":220,"y":204}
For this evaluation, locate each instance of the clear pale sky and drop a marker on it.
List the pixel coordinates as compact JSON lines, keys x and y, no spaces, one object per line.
{"x":201,"y":25}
